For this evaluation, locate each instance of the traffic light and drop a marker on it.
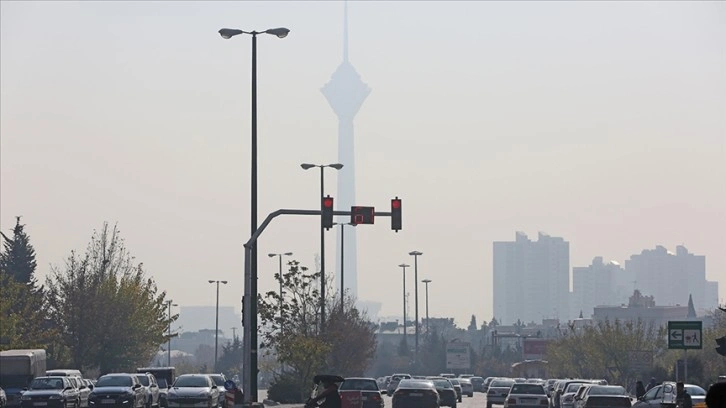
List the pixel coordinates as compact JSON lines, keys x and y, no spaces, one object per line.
{"x":396,"y":214}
{"x":721,"y":349}
{"x":362,"y":215}
{"x":326,"y":213}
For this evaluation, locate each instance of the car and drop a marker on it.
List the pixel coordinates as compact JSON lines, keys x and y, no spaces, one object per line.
{"x":151,"y":389}
{"x":371,"y":395}
{"x":477,"y":383}
{"x":607,"y":401}
{"x":498,"y":391}
{"x":83,"y":391}
{"x":523,"y":395}
{"x":63,"y":372}
{"x":220,"y":379}
{"x":595,"y":389}
{"x":487,"y":381}
{"x":550,"y":386}
{"x":412,"y":393}
{"x":567,"y":399}
{"x":447,"y":375}
{"x":465,"y":375}
{"x":467,"y":388}
{"x":393,"y":384}
{"x":117,"y":389}
{"x":193,"y":389}
{"x":560,"y":389}
{"x":3,"y":398}
{"x":665,"y":394}
{"x":51,"y":392}
{"x":447,"y":394}
{"x":457,"y":387}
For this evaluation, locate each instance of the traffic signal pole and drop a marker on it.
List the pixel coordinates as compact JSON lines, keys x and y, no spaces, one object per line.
{"x":249,"y":303}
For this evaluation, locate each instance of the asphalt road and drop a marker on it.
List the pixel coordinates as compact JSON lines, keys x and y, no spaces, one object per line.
{"x":479,"y":400}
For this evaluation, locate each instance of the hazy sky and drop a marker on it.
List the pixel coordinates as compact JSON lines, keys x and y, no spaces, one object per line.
{"x":600,"y":122}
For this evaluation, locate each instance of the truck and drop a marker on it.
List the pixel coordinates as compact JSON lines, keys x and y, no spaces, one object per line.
{"x":17,"y":369}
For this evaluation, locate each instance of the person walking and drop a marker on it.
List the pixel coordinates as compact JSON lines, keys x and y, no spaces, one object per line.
{"x":639,"y":389}
{"x":651,"y":384}
{"x":683,"y":398}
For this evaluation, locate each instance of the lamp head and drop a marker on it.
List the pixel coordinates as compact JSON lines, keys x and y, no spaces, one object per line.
{"x":271,"y":255}
{"x":336,"y":166}
{"x":228,"y":33}
{"x":404,"y":265}
{"x":211,"y":281}
{"x":280,"y":32}
{"x":224,"y":282}
{"x":306,"y":166}
{"x":426,"y":281}
{"x":415,"y":253}
{"x":288,"y":253}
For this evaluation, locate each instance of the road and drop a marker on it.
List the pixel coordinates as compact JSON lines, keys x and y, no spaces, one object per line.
{"x":479,"y":400}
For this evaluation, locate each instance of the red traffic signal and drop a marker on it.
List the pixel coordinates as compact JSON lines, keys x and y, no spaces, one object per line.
{"x":396,"y":220}
{"x":326,"y":212}
{"x":362,"y":215}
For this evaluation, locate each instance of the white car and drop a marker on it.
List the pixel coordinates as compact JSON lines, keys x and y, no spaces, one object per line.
{"x":193,"y":390}
{"x":498,"y":391}
{"x":523,"y":395}
{"x":467,"y":388}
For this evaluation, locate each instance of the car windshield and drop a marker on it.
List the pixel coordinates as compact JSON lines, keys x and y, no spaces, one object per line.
{"x":529,"y":389}
{"x":573,"y":387}
{"x":454,"y":381}
{"x":144,"y":380}
{"x":603,"y":390}
{"x":46,"y":384}
{"x":410,"y":383}
{"x":359,"y":384}
{"x":191,"y":381}
{"x":162,"y":383}
{"x":502,"y":383}
{"x":218,"y":379}
{"x":442,"y":383}
{"x":114,"y":381}
{"x":695,"y":390}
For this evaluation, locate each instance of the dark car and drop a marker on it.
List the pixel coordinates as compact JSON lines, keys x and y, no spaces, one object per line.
{"x":412,"y":393}
{"x":51,"y":392}
{"x":447,"y":394}
{"x":117,"y":390}
{"x":478,"y":384}
{"x":606,"y":401}
{"x":371,"y":395}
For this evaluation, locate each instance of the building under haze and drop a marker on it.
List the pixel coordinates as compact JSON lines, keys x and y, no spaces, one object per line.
{"x":599,"y":284}
{"x":531,"y":279}
{"x":671,"y":278}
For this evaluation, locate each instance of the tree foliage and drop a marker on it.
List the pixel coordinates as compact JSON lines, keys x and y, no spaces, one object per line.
{"x":17,"y":260}
{"x":110,"y":315}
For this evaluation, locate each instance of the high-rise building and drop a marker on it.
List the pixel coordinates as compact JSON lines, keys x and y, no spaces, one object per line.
{"x":671,"y":278}
{"x":345,"y":93}
{"x":531,"y":279}
{"x":597,"y":285}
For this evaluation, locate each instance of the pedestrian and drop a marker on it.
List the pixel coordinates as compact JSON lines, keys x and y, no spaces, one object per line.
{"x":716,"y":396}
{"x":683,"y":398}
{"x":651,"y":384}
{"x":639,"y":389}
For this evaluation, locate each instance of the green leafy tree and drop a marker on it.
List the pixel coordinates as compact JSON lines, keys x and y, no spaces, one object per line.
{"x":231,"y":359}
{"x":112,"y":318}
{"x":17,"y":260}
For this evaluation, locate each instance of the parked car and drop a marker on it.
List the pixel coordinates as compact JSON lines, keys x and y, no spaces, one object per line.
{"x":197,"y":389}
{"x":52,"y":392}
{"x":457,"y":388}
{"x":151,"y":389}
{"x":665,"y":394}
{"x":219,"y":379}
{"x":3,"y":398}
{"x":467,"y":388}
{"x":117,"y":390}
{"x":371,"y":395}
{"x":395,"y":379}
{"x":447,"y":394}
{"x":526,"y":395}
{"x":498,"y":391}
{"x":415,"y":393}
{"x":477,"y":383}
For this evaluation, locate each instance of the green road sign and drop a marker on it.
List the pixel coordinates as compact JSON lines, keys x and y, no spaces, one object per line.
{"x":685,"y":335}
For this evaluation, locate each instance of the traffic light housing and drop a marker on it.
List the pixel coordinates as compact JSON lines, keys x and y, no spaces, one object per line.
{"x":721,"y":349}
{"x":362,"y":215}
{"x":326,"y":212}
{"x":396,"y":222}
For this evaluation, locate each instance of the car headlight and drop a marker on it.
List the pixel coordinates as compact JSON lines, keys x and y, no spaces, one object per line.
{"x":55,"y":397}
{"x":25,"y":398}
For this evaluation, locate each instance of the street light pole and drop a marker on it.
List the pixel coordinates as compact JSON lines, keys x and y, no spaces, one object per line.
{"x":169,"y":304}
{"x":342,"y":263}
{"x":427,"y":281}
{"x":216,"y":323}
{"x":415,"y":255}
{"x":336,"y":166}
{"x":404,"y":266}
{"x":279,"y":256}
{"x":250,"y":328}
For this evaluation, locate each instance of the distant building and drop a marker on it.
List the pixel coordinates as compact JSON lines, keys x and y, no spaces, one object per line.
{"x":641,"y":307}
{"x":531,"y":279}
{"x":196,"y":318}
{"x":671,"y":278}
{"x":598,"y":284}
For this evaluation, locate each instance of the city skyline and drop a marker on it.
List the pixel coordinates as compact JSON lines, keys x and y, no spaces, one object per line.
{"x":598,"y":122}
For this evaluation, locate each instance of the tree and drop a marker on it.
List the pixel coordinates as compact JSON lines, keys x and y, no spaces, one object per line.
{"x":110,"y":315}
{"x":231,"y":359}
{"x":17,"y":261}
{"x":472,"y":324}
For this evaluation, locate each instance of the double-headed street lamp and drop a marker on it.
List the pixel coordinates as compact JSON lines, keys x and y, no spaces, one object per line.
{"x":415,"y":255}
{"x":216,"y":323}
{"x":169,"y":304}
{"x":279,"y":256}
{"x":427,"y":281}
{"x":336,"y":166}
{"x":342,"y":262}
{"x":249,"y":375}
{"x":404,"y":266}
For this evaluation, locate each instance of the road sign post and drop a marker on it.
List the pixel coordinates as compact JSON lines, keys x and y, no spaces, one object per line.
{"x":685,"y":335}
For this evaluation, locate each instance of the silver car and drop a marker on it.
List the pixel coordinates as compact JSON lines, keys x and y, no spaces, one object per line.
{"x":193,"y":390}
{"x":498,"y":391}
